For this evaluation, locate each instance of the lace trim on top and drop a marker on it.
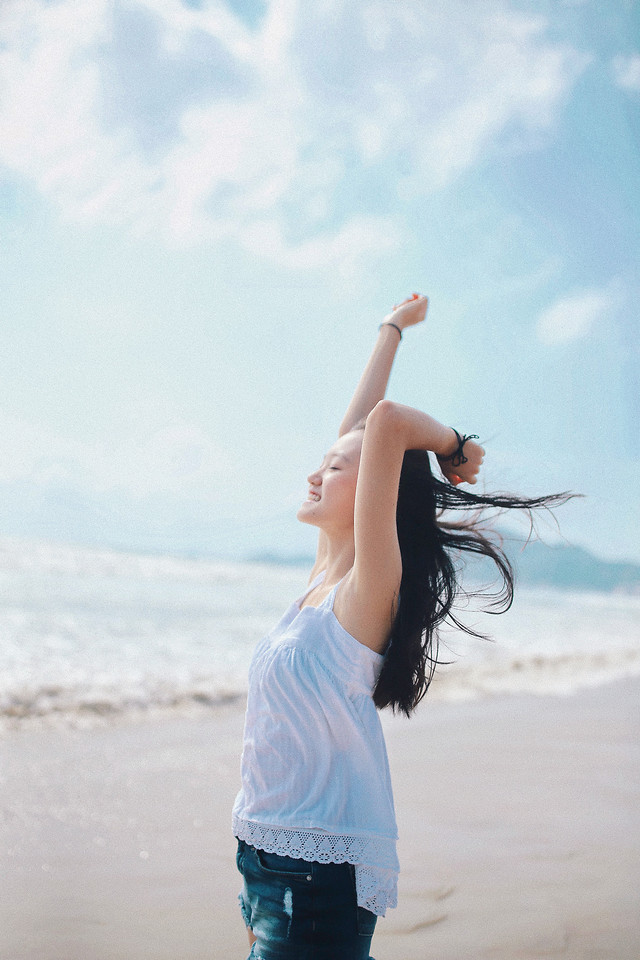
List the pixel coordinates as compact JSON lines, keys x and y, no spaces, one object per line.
{"x":376,"y":887}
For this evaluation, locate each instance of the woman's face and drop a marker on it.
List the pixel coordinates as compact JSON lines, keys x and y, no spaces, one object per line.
{"x":332,"y":488}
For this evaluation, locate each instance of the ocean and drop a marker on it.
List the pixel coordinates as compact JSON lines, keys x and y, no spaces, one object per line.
{"x":93,"y":636}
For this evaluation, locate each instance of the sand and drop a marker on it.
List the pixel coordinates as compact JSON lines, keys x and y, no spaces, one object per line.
{"x":519,"y":820}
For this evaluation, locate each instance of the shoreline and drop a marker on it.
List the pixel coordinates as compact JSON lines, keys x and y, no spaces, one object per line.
{"x":519,"y":821}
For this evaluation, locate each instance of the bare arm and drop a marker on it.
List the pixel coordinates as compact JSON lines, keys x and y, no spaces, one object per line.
{"x":365,"y":604}
{"x":372,"y":386}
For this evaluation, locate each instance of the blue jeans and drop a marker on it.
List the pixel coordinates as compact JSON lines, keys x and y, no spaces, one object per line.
{"x":300,"y":910}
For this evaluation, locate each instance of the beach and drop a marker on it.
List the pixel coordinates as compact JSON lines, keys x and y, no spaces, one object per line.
{"x":519,"y":821}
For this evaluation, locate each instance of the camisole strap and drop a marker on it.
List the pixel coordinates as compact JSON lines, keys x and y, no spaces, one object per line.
{"x":314,"y":583}
{"x":331,"y":596}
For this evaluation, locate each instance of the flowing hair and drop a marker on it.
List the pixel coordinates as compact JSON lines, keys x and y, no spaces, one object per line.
{"x":433,"y":551}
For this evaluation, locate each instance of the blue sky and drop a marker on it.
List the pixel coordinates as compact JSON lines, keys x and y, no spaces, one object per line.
{"x":206,"y":208}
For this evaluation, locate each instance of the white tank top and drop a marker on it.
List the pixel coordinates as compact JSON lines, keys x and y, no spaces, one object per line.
{"x":315,"y":774}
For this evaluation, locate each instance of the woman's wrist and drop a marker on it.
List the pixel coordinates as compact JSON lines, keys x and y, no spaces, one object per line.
{"x":449,"y":443}
{"x":456,"y":456}
{"x":394,"y":326}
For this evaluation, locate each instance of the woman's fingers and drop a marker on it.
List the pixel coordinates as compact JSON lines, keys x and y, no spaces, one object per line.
{"x":411,"y":311}
{"x":466,"y":472}
{"x":403,"y":303}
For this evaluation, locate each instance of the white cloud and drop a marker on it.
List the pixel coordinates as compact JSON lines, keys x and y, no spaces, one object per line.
{"x":626,"y":71}
{"x":342,"y":250}
{"x":181,"y":122}
{"x":156,"y":451}
{"x":511,"y":87}
{"x":573,"y":317}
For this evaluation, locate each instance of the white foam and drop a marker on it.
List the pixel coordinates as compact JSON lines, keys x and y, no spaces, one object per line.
{"x":90,"y":635}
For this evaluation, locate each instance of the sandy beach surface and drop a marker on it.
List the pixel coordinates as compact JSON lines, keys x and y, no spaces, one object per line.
{"x":519,"y":821}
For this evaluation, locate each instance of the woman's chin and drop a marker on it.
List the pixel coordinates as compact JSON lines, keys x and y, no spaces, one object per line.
{"x":305,"y":512}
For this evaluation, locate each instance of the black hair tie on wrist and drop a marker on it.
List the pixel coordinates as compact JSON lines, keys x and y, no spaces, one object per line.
{"x":457,"y":457}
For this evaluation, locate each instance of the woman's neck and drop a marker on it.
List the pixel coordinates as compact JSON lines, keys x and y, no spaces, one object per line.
{"x":340,"y":559}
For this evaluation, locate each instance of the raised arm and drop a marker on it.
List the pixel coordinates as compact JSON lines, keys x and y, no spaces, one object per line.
{"x":372,"y":386}
{"x":366,"y":603}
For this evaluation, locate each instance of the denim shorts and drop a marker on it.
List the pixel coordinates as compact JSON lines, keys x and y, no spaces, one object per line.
{"x":300,"y":910}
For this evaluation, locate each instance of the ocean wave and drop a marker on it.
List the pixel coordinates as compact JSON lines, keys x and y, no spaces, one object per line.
{"x":91,"y":636}
{"x":535,"y":674}
{"x":84,"y":705}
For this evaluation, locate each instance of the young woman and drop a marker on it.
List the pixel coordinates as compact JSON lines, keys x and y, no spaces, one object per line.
{"x":315,"y":818}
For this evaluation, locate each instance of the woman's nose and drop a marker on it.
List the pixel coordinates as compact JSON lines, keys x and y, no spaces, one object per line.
{"x":315,"y":478}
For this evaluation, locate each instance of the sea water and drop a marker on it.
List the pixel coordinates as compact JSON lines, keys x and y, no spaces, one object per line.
{"x":92,"y":636}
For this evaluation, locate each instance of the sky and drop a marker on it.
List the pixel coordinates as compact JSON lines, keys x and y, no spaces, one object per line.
{"x":208,"y":206}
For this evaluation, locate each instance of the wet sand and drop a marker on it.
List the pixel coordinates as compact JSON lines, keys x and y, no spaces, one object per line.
{"x":519,"y":821}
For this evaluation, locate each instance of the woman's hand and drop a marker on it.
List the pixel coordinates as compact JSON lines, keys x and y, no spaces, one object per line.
{"x":464,"y":472}
{"x":411,"y":311}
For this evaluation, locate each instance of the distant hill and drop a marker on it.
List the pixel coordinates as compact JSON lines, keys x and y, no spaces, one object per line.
{"x":571,"y":568}
{"x":539,"y":564}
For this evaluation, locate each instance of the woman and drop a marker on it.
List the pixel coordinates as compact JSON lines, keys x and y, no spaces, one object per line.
{"x":315,"y":818}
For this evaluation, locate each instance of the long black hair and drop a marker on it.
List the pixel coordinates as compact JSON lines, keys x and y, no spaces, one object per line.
{"x":433,"y":550}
